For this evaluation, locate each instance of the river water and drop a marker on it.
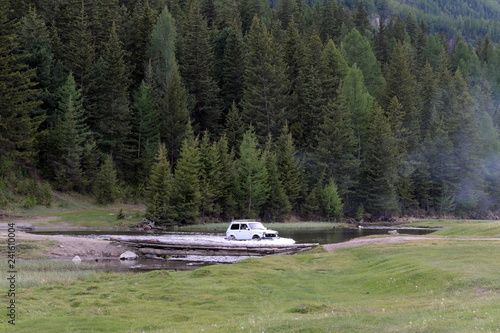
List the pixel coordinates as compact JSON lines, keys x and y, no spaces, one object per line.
{"x":321,"y":236}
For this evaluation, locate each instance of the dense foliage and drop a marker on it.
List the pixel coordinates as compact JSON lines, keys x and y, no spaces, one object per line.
{"x":211,"y":109}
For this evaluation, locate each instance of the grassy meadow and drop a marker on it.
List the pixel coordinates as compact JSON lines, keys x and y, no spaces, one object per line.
{"x":419,"y":286}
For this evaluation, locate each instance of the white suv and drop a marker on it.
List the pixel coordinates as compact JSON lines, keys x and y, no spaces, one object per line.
{"x":249,"y":229}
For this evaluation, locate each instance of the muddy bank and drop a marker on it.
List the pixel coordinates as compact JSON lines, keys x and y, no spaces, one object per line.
{"x":29,"y":246}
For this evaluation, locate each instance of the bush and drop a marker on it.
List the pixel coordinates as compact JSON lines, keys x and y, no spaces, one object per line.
{"x":30,"y":202}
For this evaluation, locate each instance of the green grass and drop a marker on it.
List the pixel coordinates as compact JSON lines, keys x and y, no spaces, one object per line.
{"x":36,"y":273}
{"x":461,"y":228}
{"x":425,"y":286}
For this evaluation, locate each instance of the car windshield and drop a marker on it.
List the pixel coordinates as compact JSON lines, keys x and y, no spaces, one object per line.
{"x":256,"y":226}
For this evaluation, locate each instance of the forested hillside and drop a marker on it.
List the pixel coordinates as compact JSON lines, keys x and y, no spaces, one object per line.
{"x":212,"y":109}
{"x":472,"y":19}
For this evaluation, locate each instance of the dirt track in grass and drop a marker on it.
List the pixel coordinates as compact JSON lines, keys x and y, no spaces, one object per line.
{"x":393,"y":239}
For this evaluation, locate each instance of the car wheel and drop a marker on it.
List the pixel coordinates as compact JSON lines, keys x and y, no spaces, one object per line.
{"x":255,"y":237}
{"x":231,"y":238}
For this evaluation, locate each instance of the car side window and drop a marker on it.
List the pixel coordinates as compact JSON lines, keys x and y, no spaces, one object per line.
{"x":235,"y":227}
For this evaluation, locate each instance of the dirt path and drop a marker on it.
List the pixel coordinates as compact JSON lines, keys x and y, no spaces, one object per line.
{"x":393,"y":239}
{"x":64,"y":247}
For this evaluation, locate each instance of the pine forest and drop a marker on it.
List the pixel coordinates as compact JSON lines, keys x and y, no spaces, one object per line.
{"x":207,"y":110}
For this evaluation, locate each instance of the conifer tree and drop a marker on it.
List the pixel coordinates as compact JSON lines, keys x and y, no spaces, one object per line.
{"x":294,"y":55}
{"x":435,"y":49}
{"x":278,"y":206}
{"x":331,"y":21}
{"x":331,"y":200}
{"x":332,"y":71}
{"x":211,"y":183}
{"x":485,"y":50}
{"x":420,"y":45}
{"x":379,"y":168}
{"x":34,"y":42}
{"x":288,"y":11}
{"x":381,"y":46}
{"x":359,"y":104}
{"x":174,"y":113}
{"x":196,"y":61}
{"x":186,"y":196}
{"x":428,"y":93}
{"x":253,"y":176}
{"x":233,"y":68}
{"x":229,"y":178}
{"x":465,"y":59}
{"x":312,"y":203}
{"x":141,"y":42}
{"x":235,"y":128}
{"x":103,"y":14}
{"x":17,"y":124}
{"x":304,"y":99}
{"x":401,"y":84}
{"x":210,"y":13}
{"x":114,"y":120}
{"x":159,"y":208}
{"x":360,"y":18}
{"x":461,"y":123}
{"x":105,"y":184}
{"x":72,"y":137}
{"x":161,"y":54}
{"x":337,"y":149}
{"x":145,"y":128}
{"x":264,"y":92}
{"x":289,"y":167}
{"x":358,"y":51}
{"x":80,"y":53}
{"x":251,"y":9}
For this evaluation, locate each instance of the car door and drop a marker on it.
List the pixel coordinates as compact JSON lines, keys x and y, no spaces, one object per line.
{"x":245,"y":232}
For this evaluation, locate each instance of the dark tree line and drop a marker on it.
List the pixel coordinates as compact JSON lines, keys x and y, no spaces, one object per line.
{"x":216,"y":109}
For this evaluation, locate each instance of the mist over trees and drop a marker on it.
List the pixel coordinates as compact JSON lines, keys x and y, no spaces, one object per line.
{"x":213,"y":109}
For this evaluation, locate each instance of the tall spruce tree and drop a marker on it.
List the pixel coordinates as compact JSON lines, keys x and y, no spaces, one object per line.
{"x":379,"y":168}
{"x":145,"y":129}
{"x":141,"y":42}
{"x":289,"y":167}
{"x":233,"y":68}
{"x":17,"y":123}
{"x":72,"y":136}
{"x":401,"y":84}
{"x":114,"y":121}
{"x":337,"y":149}
{"x":253,"y":177}
{"x":229,"y":178}
{"x":265,"y":85}
{"x":197,"y":68}
{"x":278,"y":206}
{"x":186,"y":196}
{"x":174,"y":113}
{"x":80,"y":53}
{"x":161,"y":54}
{"x":332,"y":71}
{"x":159,"y":192}
{"x":359,"y":104}
{"x":358,"y":51}
{"x":235,"y":128}
{"x":211,"y":183}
